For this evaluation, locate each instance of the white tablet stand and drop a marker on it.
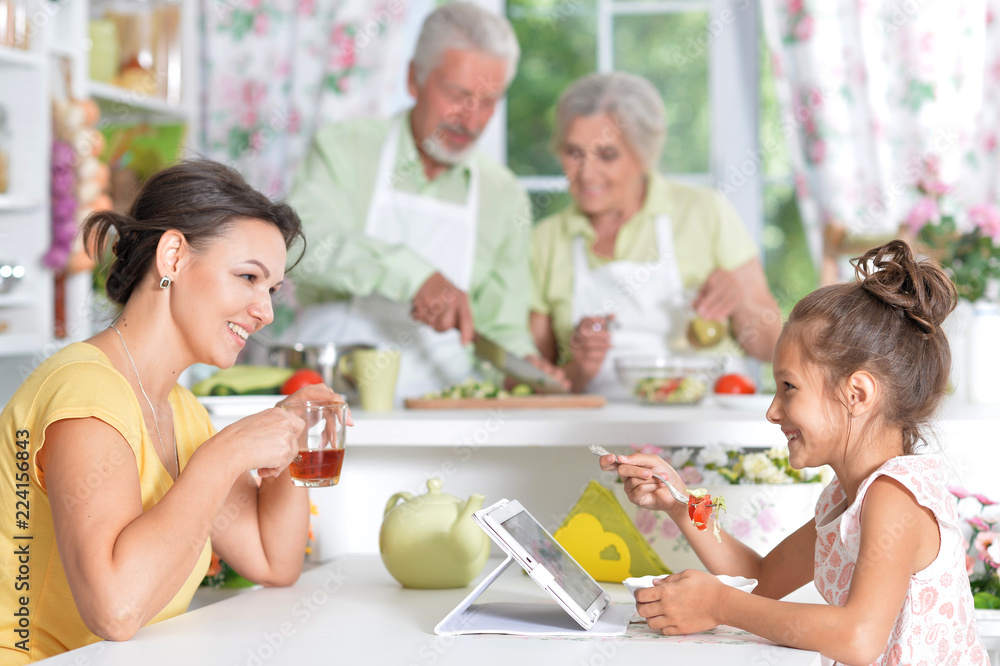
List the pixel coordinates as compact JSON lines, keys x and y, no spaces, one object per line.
{"x":545,"y":618}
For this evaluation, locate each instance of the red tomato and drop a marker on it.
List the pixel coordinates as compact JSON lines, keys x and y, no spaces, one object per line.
{"x":699,"y":510}
{"x":301,"y":378}
{"x":735,"y":384}
{"x":668,"y":387}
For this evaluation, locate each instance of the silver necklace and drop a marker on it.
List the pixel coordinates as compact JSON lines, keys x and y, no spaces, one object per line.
{"x":177,"y":462}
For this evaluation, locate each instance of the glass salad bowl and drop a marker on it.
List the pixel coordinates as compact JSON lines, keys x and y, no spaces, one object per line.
{"x":663,"y":379}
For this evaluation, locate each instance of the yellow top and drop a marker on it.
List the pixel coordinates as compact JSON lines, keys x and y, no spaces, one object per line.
{"x":38,"y":617}
{"x":708,"y":234}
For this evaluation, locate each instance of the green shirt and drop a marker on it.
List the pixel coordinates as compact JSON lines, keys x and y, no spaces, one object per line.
{"x":332,"y":192}
{"x":708,"y":234}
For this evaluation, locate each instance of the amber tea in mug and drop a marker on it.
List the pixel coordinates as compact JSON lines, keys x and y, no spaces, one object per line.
{"x":321,"y":443}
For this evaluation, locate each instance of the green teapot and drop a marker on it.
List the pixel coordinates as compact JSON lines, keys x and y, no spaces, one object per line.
{"x":430,"y":541}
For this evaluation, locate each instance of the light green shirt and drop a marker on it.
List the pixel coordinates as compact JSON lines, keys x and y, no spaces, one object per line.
{"x":708,"y":234}
{"x":332,"y":192}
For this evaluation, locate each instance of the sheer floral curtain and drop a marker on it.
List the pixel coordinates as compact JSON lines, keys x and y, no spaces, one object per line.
{"x":872,"y":89}
{"x":275,"y":70}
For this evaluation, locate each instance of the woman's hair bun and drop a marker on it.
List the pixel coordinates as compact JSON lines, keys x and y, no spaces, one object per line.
{"x":921,"y":290}
{"x":106,"y":227}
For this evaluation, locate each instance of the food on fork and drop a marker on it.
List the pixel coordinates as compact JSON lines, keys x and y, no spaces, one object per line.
{"x":700,"y":508}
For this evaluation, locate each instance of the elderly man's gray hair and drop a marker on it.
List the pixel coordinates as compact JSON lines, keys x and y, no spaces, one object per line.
{"x":464,"y":26}
{"x":631,"y":100}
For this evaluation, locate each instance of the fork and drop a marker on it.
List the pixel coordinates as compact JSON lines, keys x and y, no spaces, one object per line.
{"x":679,"y":496}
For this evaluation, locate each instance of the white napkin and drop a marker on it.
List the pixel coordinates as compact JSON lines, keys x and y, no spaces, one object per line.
{"x":739,"y":582}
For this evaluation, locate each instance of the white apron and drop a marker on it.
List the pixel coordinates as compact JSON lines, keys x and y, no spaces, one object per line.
{"x":443,"y":234}
{"x":646,"y":298}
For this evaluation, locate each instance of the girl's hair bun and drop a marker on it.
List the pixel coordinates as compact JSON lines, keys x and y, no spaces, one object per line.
{"x":918,"y":289}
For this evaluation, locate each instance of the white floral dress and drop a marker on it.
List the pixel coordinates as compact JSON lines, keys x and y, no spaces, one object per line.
{"x":936,"y":626}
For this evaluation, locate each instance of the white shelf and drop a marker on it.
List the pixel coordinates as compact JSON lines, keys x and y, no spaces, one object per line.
{"x":139,"y":101}
{"x":19,"y":58}
{"x":12,"y":204}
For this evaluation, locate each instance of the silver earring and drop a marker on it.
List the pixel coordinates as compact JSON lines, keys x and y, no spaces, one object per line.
{"x":164,"y":282}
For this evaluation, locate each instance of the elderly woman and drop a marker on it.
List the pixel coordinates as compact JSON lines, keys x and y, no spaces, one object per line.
{"x":619,"y":271}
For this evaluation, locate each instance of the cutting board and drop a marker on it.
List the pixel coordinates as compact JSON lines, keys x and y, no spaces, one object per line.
{"x":512,"y":402}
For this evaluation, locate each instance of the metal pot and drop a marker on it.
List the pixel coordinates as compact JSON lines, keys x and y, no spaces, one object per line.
{"x":321,"y":358}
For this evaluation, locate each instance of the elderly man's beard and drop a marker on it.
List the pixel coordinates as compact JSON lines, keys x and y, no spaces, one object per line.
{"x":439,"y":152}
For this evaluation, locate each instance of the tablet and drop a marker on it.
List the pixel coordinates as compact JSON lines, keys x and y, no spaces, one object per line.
{"x":523,"y":538}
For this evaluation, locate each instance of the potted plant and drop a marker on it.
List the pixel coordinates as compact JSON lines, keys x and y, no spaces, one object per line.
{"x":966,"y":242}
{"x":979,"y":518}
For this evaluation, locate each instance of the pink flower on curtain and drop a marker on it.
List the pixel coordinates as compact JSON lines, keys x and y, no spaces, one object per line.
{"x":817,"y":151}
{"x":801,"y":186}
{"x":248,"y":117}
{"x":777,"y":65}
{"x":795,"y":6}
{"x":925,"y":211}
{"x":260,"y":23}
{"x":344,"y":54}
{"x":804,"y":28}
{"x":294,"y":120}
{"x":990,"y":143}
{"x":257,"y":141}
{"x":254,"y":93}
{"x":987,"y":218}
{"x":307,"y":7}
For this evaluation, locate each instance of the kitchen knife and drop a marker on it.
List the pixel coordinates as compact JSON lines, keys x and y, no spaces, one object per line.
{"x":515,"y":367}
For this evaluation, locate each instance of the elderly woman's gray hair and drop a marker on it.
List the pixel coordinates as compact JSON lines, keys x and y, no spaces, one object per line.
{"x":464,"y":26}
{"x":631,"y":100}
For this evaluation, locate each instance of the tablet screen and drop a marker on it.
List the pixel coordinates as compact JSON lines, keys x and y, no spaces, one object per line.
{"x":567,"y":573}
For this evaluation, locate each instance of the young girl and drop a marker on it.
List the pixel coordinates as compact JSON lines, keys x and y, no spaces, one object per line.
{"x":860,"y":369}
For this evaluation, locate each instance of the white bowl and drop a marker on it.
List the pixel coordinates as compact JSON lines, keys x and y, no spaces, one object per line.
{"x":739,"y":582}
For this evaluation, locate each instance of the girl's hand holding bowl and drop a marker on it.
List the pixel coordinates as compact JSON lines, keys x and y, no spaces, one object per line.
{"x":682,"y":603}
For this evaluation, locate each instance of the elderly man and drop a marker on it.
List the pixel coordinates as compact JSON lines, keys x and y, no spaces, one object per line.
{"x":414,"y":238}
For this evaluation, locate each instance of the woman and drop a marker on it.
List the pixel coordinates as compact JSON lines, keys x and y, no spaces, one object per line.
{"x":124,"y":486}
{"x":611,"y":270}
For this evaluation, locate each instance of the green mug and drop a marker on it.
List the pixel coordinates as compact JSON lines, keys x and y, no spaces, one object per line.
{"x":375,"y":372}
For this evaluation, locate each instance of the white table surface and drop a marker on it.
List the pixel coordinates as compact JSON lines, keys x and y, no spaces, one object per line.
{"x":351,"y":611}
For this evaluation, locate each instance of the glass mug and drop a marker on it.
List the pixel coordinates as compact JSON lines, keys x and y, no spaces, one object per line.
{"x":321,"y":443}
